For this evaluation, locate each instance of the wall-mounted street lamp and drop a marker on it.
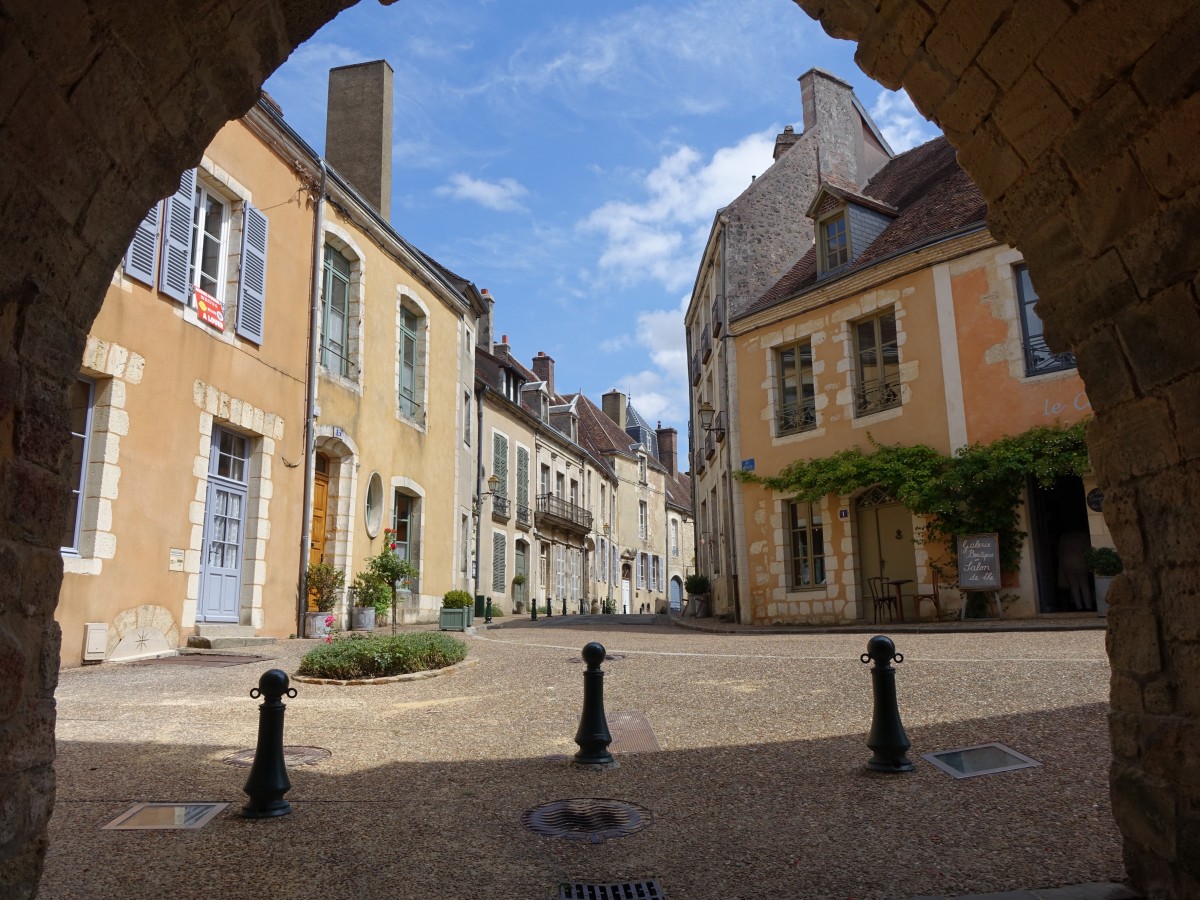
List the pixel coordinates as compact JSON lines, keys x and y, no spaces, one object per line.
{"x":493,"y":483}
{"x":707,"y":413}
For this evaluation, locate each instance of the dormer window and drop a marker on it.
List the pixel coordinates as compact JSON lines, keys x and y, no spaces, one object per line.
{"x":835,"y":246}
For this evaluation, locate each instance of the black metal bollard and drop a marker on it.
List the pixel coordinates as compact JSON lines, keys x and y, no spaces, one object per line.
{"x":564,"y":606}
{"x":268,"y":780}
{"x":533,"y":609}
{"x":887,"y":737}
{"x":487,"y":620}
{"x":549,"y":611}
{"x":593,"y":737}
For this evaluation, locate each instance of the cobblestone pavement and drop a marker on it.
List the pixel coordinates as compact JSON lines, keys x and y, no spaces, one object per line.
{"x":760,"y":789}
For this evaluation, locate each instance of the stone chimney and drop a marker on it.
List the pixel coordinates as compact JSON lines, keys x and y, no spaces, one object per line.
{"x":849,"y":146}
{"x":543,"y":368}
{"x":784,"y":141}
{"x":668,"y":439}
{"x":614,"y":407}
{"x":484,"y":339}
{"x":358,"y":130}
{"x":502,"y":350}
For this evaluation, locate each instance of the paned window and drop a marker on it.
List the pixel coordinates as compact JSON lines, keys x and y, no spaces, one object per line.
{"x":82,"y":400}
{"x":1039,"y":358}
{"x":878,"y":364}
{"x":210,"y":235}
{"x":674,"y":537}
{"x":643,"y":519}
{"x":642,"y":573}
{"x":544,"y":480}
{"x":467,"y":418}
{"x":410,"y":387}
{"x":404,"y":509}
{"x":807,"y":548}
{"x":835,"y":248}
{"x":642,"y":469}
{"x":335,"y":313}
{"x":797,"y":390}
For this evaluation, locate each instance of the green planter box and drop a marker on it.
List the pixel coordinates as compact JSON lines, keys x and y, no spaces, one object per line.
{"x":453,"y":620}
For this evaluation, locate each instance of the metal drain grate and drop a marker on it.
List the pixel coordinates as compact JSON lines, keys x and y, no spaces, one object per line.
{"x":625,"y":890}
{"x":292,"y":756}
{"x":631,"y":733}
{"x":609,"y":657}
{"x":590,"y":819}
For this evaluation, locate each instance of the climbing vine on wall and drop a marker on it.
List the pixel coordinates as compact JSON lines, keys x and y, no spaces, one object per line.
{"x":977,"y":490}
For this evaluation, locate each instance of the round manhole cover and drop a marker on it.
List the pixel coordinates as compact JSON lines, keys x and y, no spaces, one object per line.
{"x":292,"y":756}
{"x":611,"y":657}
{"x":588,"y":819}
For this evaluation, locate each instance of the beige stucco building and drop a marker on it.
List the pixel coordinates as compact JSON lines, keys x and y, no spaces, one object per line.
{"x":189,"y":413}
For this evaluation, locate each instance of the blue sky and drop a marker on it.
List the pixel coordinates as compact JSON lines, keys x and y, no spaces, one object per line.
{"x":570,"y":157}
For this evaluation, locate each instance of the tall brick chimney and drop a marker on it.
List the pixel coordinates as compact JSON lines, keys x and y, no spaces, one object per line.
{"x":543,"y":368}
{"x":668,"y":439}
{"x":614,"y":407}
{"x":358,"y":130}
{"x":784,"y":140}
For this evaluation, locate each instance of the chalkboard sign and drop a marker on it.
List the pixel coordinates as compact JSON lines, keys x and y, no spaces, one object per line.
{"x":979,"y":562}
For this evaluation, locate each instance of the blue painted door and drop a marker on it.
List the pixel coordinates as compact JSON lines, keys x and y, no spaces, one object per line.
{"x":224,"y":527}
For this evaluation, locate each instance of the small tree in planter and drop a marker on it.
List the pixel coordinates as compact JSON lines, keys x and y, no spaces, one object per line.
{"x":457,"y":610}
{"x":325,"y":583}
{"x":1105,"y":565}
{"x":372,"y":599}
{"x":697,"y":587}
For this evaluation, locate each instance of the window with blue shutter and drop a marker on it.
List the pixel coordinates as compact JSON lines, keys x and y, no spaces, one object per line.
{"x":141,"y":258}
{"x":252,"y":286}
{"x":173,"y":279}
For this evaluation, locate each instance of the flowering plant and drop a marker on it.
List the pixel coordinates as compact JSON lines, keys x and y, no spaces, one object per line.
{"x":330,"y":630}
{"x":388,"y":565}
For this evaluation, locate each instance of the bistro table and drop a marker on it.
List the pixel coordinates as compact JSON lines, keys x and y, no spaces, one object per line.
{"x":899,"y":584}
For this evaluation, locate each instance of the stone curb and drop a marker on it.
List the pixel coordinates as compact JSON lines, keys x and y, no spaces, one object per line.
{"x":894,"y":627}
{"x":407,"y":676}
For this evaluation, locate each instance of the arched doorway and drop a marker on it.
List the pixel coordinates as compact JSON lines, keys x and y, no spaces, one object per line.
{"x":676,"y":597}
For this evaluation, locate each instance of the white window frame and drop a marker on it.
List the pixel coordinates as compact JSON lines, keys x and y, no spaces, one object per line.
{"x":204,"y":195}
{"x":643,"y":519}
{"x":79,"y":488}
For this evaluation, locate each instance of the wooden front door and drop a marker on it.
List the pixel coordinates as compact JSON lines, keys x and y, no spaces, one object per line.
{"x":320,"y":503}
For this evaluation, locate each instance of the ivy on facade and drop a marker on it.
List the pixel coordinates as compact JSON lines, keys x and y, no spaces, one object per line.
{"x":976,"y":490}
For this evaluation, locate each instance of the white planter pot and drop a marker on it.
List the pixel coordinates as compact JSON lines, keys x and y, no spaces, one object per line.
{"x":364,"y":618}
{"x":314,"y":624}
{"x":1102,"y":584}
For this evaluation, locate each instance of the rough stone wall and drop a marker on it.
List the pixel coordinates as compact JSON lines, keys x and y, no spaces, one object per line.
{"x":1080,"y":123}
{"x":102,"y":105}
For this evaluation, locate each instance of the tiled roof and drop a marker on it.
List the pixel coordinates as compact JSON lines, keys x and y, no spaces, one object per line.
{"x":679,"y":490}
{"x":934,"y":197}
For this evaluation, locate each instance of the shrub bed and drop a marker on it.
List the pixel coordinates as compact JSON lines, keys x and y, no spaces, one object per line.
{"x":347,"y":659}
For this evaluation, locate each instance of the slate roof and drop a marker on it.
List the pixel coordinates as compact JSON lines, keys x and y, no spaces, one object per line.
{"x":934,"y":196}
{"x":679,"y":491}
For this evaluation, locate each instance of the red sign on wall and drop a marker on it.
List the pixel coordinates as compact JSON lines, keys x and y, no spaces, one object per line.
{"x":210,"y":310}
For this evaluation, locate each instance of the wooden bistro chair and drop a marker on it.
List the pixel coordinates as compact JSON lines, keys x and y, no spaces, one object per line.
{"x":933,"y":597}
{"x":881,"y":596}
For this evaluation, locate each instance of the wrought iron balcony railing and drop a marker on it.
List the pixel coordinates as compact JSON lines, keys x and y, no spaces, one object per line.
{"x":799,"y":416}
{"x":1040,"y":359}
{"x":524,"y":516}
{"x":500,"y":507}
{"x":563,"y":513}
{"x":877,"y":395}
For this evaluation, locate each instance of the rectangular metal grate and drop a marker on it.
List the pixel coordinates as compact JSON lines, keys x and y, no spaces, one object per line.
{"x":165,"y":816}
{"x":631,"y":733}
{"x":985,"y":759}
{"x":624,"y":890}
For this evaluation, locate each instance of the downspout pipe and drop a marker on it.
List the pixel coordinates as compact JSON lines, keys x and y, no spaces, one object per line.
{"x":729,"y":349}
{"x":477,"y":504}
{"x":310,"y":400}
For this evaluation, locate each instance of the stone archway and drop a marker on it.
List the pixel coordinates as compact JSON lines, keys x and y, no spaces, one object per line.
{"x":1079,"y":124}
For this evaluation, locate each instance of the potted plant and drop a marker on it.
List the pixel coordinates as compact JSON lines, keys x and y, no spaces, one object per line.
{"x":392,"y":569}
{"x":325,"y":583}
{"x":697,"y":587}
{"x":456,"y":612}
{"x":372,"y":599}
{"x":1105,"y":564}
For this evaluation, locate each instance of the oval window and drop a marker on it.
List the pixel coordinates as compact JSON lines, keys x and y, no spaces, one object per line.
{"x":374,"y":504}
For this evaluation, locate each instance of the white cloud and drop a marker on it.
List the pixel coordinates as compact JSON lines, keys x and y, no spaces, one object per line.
{"x":615,"y":344}
{"x":902,"y":125}
{"x":503,"y":195}
{"x":660,"y":237}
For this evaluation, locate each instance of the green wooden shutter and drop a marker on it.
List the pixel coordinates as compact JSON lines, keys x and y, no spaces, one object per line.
{"x":500,"y":462}
{"x":522,"y":477}
{"x":499,"y":551}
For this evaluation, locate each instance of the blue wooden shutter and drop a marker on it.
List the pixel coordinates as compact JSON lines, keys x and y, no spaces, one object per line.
{"x":141,"y":258}
{"x":173,"y":277}
{"x":252,"y":286}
